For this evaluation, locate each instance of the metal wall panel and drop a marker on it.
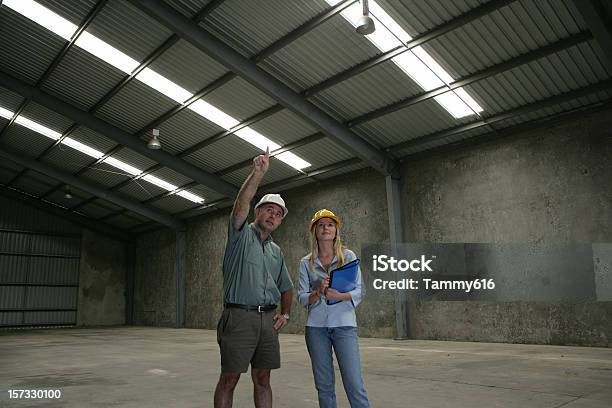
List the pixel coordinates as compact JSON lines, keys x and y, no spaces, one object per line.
{"x":39,"y":266}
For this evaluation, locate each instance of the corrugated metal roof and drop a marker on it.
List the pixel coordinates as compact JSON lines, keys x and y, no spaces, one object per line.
{"x":343,"y":170}
{"x":277,"y":171}
{"x":408,"y":123}
{"x":52,"y":182}
{"x":205,"y":192}
{"x":321,"y":153}
{"x":82,"y":78}
{"x":57,"y":197}
{"x":133,"y":158}
{"x":215,"y":157}
{"x":184,"y":130}
{"x":26,"y":141}
{"x":328,"y":49}
{"x":66,"y":158}
{"x":377,"y":87}
{"x":46,"y":117}
{"x":123,"y":221}
{"x":187,"y":7}
{"x":239,"y":99}
{"x":95,"y":210}
{"x":128,"y":29}
{"x":284,"y":127}
{"x":135,"y":106}
{"x":73,"y":11}
{"x":9,"y":100}
{"x":187,"y":66}
{"x":93,"y":139}
{"x":27,"y":49}
{"x":171,"y":176}
{"x":31,"y":185}
{"x":104,"y":175}
{"x":250,"y":26}
{"x":141,"y":190}
{"x":173,"y":204}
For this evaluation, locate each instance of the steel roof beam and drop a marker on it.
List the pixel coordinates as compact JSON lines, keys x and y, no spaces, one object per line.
{"x":60,"y":175}
{"x":75,"y":218}
{"x":267,"y":83}
{"x":118,"y":135}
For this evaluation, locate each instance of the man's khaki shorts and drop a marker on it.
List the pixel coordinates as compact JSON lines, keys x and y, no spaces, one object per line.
{"x":247,"y":337}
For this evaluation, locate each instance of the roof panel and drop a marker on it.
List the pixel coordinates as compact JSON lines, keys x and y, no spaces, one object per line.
{"x":223,"y":153}
{"x":321,"y":153}
{"x":342,"y":170}
{"x":122,"y":221}
{"x":9,"y":100}
{"x":95,"y":210}
{"x":73,"y":11}
{"x":239,"y":99}
{"x":141,"y":190}
{"x":171,"y":176}
{"x":31,"y":185}
{"x":284,"y":127}
{"x":173,"y":204}
{"x":82,"y":79}
{"x":330,"y":48}
{"x":134,"y":159}
{"x":250,"y":26}
{"x":187,"y":7}
{"x":46,"y":117}
{"x":66,"y":158}
{"x":128,"y":29}
{"x":277,"y":171}
{"x":377,"y":87}
{"x":208,"y":194}
{"x":185,"y":130}
{"x":93,"y":139}
{"x":135,"y":106}
{"x":27,"y":49}
{"x":104,"y":175}
{"x":26,"y":141}
{"x":186,"y":65}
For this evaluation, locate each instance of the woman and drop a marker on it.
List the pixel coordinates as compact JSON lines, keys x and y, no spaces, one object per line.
{"x":331,"y":325}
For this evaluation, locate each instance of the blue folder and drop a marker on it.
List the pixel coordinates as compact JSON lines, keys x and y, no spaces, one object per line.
{"x":344,"y":279}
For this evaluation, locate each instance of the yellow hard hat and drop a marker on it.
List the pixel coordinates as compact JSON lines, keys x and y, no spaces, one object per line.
{"x":324,"y":214}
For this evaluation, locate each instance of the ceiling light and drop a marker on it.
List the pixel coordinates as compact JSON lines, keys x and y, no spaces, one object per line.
{"x":154,"y":143}
{"x":213,"y":114}
{"x":37,"y":127}
{"x":365,"y":24}
{"x":122,"y":166}
{"x":160,"y":183}
{"x":67,"y":193}
{"x":83,"y":148}
{"x":163,"y":85}
{"x":106,"y":52}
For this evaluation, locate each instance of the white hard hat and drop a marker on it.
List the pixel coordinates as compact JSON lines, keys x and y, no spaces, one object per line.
{"x":274,"y":199}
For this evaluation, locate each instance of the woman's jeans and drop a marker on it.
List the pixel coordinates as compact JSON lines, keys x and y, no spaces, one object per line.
{"x":345,"y":342}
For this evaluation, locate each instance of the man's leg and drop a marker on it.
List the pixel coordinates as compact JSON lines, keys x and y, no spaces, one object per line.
{"x":262,"y":392}
{"x":224,"y":393}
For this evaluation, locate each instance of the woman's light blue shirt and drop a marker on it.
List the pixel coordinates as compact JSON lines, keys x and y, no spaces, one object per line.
{"x":320,"y":314}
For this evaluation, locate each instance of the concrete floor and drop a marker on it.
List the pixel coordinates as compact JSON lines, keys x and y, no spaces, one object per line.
{"x":159,"y":367}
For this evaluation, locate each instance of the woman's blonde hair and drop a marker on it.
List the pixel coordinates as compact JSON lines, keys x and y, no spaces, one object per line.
{"x":314,"y":246}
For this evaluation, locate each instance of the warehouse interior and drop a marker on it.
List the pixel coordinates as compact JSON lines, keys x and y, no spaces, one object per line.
{"x":128,"y":126}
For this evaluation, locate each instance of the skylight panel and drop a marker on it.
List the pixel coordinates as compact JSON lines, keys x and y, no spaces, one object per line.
{"x":213,"y":114}
{"x":416,"y":63}
{"x":160,"y":183}
{"x":293,"y":160}
{"x":256,"y":139}
{"x":5,"y":113}
{"x":122,"y":166}
{"x":106,"y":52}
{"x":163,"y":85}
{"x":43,"y":16}
{"x":190,"y":196}
{"x":37,"y":127}
{"x":90,"y":151}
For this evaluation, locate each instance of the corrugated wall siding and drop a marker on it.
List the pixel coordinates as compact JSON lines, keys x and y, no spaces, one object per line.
{"x":39,"y":267}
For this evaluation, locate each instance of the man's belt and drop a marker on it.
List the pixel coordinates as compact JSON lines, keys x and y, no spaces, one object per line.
{"x":257,"y":308}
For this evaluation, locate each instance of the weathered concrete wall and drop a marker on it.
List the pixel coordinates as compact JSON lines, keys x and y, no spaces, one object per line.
{"x":359,"y":200}
{"x":543,"y":186}
{"x":103,"y":270}
{"x":155,"y":279}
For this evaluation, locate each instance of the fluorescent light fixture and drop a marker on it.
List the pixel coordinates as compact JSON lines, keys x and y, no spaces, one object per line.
{"x":160,"y":183}
{"x":106,"y":52}
{"x":43,"y":16}
{"x":122,"y":166}
{"x":163,"y":85}
{"x":190,"y":196}
{"x":5,"y":113}
{"x":213,"y":114}
{"x":90,"y":151}
{"x":416,"y":63}
{"x":37,"y":127}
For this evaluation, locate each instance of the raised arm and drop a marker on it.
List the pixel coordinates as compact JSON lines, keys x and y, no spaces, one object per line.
{"x":240,"y":212}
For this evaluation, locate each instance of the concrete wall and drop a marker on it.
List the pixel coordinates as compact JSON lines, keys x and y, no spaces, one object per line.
{"x":543,"y":186}
{"x":155,"y":279}
{"x":102,"y":276}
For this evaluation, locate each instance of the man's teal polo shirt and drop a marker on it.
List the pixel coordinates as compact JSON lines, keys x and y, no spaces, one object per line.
{"x":254,"y":272}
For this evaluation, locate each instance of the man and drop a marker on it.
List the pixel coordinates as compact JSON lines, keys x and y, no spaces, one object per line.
{"x":255,"y":278}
